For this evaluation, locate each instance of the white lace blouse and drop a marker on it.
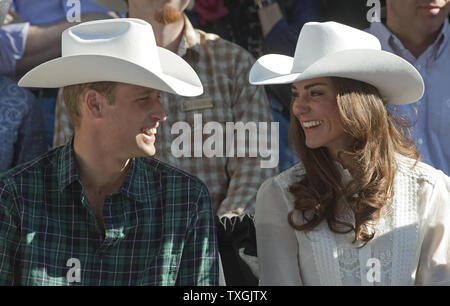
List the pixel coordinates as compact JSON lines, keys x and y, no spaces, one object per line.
{"x":411,"y":245}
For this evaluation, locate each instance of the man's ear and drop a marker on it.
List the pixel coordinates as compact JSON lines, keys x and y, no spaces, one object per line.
{"x":93,"y":103}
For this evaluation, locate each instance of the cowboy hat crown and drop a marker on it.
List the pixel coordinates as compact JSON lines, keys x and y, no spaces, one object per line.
{"x":327,"y":39}
{"x":332,"y":49}
{"x":117,"y":50}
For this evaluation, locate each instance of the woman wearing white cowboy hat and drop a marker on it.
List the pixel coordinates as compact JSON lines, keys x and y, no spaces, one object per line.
{"x":359,"y":209}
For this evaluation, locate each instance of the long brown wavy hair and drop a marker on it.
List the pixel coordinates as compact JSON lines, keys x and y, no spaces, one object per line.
{"x":377,"y":136}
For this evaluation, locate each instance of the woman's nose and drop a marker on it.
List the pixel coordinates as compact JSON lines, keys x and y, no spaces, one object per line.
{"x":301,"y":105}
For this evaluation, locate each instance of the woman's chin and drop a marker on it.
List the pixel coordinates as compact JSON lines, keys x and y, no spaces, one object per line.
{"x":310,"y":145}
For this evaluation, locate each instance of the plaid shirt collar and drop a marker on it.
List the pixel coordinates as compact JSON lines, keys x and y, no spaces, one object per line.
{"x":132,"y":187}
{"x":67,"y":167}
{"x":189,"y":39}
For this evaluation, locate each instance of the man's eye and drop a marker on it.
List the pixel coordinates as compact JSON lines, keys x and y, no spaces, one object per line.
{"x":315,"y":93}
{"x":155,"y":94}
{"x":142,"y":100}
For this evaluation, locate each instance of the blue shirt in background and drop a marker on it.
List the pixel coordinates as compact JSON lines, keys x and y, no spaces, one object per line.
{"x":22,"y":135}
{"x":51,"y":11}
{"x":282,"y":38}
{"x":431,"y":131}
{"x":13,"y":36}
{"x":12,"y":46}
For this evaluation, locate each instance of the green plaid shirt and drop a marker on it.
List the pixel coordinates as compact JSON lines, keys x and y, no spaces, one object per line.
{"x":159,"y":227}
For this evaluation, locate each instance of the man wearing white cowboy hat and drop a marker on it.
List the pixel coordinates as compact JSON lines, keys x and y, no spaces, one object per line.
{"x":21,"y":125}
{"x":359,"y":209}
{"x":100,"y":210}
{"x":223,"y":68}
{"x":419,"y":32}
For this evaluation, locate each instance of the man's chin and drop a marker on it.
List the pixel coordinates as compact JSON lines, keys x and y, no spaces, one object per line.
{"x":168,"y":14}
{"x":144,"y":150}
{"x":145,"y":146}
{"x":433,"y":17}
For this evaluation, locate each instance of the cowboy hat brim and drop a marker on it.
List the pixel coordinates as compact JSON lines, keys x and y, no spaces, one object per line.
{"x":176,"y":76}
{"x":397,"y":80}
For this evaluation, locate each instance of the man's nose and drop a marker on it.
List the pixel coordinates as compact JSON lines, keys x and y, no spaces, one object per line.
{"x":158,"y":112}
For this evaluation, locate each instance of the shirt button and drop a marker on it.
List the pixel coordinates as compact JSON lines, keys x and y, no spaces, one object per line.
{"x":448,"y":102}
{"x":420,"y":141}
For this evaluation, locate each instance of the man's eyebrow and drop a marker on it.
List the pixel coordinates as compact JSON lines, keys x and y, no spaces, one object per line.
{"x":146,"y":92}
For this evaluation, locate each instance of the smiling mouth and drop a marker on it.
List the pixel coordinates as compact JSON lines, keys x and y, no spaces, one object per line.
{"x":311,"y":124}
{"x":149,"y":132}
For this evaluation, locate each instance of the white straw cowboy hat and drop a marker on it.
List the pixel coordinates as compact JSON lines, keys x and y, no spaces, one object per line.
{"x":4,"y":8}
{"x":117,"y":50}
{"x":333,"y":49}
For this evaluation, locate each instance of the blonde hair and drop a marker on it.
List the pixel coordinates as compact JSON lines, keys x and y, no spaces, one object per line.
{"x":377,"y":136}
{"x":73,"y":94}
